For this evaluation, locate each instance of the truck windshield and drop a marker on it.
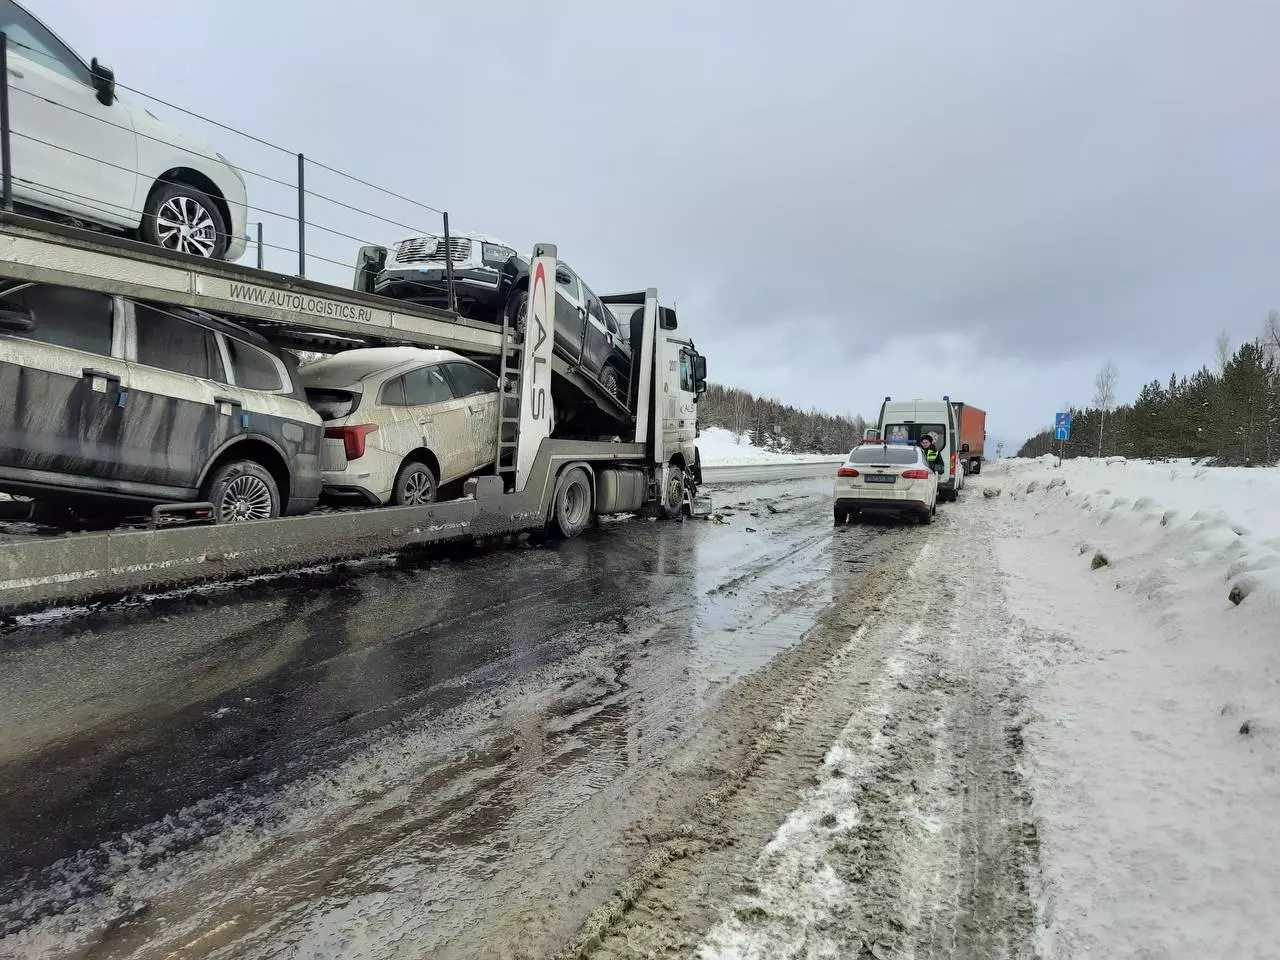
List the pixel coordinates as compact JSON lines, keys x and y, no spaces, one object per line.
{"x":914,"y":431}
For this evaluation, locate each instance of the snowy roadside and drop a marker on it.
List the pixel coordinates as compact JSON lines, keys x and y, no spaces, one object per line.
{"x":1155,"y":746}
{"x":719,"y":447}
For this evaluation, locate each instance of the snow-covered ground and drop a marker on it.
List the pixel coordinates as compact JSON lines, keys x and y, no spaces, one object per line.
{"x":1154,"y":746}
{"x":1118,"y":620}
{"x":719,"y":447}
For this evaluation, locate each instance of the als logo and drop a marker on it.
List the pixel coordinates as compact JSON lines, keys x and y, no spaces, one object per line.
{"x":538,"y":393}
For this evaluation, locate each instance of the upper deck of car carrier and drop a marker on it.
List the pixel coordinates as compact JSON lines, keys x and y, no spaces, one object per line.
{"x":291,"y":311}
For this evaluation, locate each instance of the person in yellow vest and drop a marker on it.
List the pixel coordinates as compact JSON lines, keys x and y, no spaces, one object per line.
{"x":932,"y":454}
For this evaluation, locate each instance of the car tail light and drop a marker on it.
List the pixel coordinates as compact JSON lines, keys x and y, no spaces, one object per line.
{"x":953,"y":463}
{"x":915,"y":474}
{"x":352,"y":438}
{"x":846,"y":472}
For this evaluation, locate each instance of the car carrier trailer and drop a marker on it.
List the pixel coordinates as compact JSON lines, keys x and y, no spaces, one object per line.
{"x":538,"y":482}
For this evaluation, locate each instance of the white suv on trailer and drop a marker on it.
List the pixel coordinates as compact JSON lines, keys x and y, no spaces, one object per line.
{"x":81,"y":155}
{"x":401,"y":421}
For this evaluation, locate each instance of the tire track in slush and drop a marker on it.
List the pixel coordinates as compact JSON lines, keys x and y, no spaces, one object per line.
{"x":907,"y":823}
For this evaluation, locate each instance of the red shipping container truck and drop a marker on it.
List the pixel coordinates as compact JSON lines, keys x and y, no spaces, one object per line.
{"x":973,"y":433}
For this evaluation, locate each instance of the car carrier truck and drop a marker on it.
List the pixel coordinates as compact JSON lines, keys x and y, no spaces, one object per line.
{"x":540,"y":482}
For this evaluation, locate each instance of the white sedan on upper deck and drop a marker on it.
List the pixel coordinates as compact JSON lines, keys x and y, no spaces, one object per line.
{"x":886,"y":477}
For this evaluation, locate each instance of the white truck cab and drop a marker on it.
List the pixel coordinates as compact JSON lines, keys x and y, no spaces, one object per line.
{"x":909,"y":420}
{"x":684,"y":384}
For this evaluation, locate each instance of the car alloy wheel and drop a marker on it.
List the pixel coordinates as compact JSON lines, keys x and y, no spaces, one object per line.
{"x":183,"y":224}
{"x":246,"y":497}
{"x":418,"y":489}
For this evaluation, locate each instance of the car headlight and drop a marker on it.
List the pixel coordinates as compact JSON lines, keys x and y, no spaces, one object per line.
{"x":496,"y":255}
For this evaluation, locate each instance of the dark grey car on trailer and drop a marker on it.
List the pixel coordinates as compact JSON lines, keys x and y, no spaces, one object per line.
{"x":113,"y":404}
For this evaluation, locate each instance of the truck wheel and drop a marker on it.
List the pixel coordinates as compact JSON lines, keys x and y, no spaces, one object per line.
{"x":977,"y":467}
{"x":242,"y":490}
{"x":571,"y":511}
{"x":672,"y":505}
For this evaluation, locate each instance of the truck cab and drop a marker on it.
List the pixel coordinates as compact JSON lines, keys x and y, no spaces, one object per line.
{"x":685,"y":384}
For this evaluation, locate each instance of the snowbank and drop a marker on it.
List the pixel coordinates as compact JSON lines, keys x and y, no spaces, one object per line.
{"x":719,"y":447}
{"x":1148,"y":593}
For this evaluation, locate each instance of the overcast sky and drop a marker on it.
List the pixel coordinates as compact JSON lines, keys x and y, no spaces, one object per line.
{"x":845,"y":199}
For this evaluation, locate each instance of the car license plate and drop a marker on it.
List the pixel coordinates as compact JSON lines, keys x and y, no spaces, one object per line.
{"x":880,"y":478}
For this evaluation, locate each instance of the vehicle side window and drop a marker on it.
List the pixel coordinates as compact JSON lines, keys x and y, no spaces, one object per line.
{"x":686,"y":372}
{"x":469,"y":380}
{"x":427,"y":385}
{"x":572,"y":289}
{"x":594,"y":307}
{"x":254,"y":369}
{"x":66,"y":317}
{"x":393,"y":393}
{"x":34,"y":41}
{"x":171,"y":343}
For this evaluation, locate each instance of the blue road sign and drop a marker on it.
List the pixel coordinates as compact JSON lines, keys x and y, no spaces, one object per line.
{"x":1062,"y":426}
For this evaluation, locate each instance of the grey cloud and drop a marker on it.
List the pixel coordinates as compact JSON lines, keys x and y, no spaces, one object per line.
{"x":810,"y":181}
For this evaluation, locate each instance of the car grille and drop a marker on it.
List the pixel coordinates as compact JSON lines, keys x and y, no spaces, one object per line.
{"x":424,"y":249}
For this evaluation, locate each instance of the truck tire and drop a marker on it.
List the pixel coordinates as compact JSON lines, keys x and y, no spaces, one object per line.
{"x":242,"y":490}
{"x":571,"y":509}
{"x":977,"y":467}
{"x":672,"y":505}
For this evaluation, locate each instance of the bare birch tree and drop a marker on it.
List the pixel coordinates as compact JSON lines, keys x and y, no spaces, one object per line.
{"x":1222,"y":349}
{"x":1105,"y":396}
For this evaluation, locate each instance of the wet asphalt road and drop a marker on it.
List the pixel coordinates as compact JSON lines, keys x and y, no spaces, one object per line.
{"x":446,"y":720}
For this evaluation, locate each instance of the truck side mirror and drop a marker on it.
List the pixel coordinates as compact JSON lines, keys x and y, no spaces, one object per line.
{"x":16,"y":319}
{"x":369,"y":263}
{"x":666,"y":318}
{"x":700,"y":370}
{"x":104,"y":81}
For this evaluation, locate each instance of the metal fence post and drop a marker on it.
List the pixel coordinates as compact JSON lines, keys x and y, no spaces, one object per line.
{"x":448,"y":264}
{"x":6,"y":169}
{"x":302,"y":216}
{"x":259,"y":244}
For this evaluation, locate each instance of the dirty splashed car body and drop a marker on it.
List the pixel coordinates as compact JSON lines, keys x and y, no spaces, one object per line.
{"x":400,"y":422}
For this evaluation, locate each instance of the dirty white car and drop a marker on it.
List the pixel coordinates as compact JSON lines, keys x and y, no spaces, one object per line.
{"x":400,"y":422}
{"x":886,"y":478}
